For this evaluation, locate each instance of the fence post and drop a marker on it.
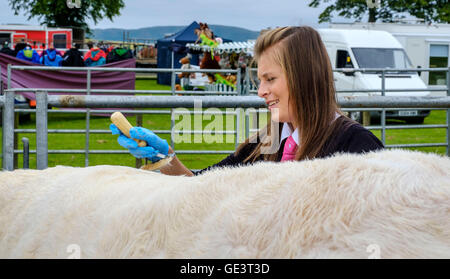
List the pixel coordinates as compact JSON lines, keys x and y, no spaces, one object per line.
{"x":41,"y":130}
{"x":448,"y":113}
{"x":242,"y":112}
{"x":383,"y":111}
{"x":138,"y":124}
{"x":88,"y":119}
{"x":8,"y":85}
{"x":8,"y":131}
{"x":16,"y":120}
{"x":172,"y":81}
{"x":247,"y":81}
{"x":247,"y":123}
{"x":16,"y":139}
{"x":26,"y":153}
{"x":16,"y":115}
{"x":172,"y":120}
{"x":238,"y":82}
{"x":238,"y":127}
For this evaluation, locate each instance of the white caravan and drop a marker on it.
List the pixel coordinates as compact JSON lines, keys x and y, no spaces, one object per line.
{"x":361,"y":49}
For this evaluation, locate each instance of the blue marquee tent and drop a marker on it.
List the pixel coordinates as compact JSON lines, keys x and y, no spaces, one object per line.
{"x":177,"y":43}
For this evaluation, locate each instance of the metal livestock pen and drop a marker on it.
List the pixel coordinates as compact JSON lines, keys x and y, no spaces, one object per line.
{"x":241,"y":99}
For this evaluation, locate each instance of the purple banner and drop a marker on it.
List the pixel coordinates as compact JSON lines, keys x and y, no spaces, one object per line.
{"x":66,"y":79}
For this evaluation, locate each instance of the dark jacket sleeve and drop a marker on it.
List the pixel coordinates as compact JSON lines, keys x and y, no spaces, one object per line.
{"x":363,"y":141}
{"x":355,"y":139}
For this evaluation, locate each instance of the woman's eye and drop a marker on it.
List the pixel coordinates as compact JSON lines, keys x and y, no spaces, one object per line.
{"x":270,"y":79}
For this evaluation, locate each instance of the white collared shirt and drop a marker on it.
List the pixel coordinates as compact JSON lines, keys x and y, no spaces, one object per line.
{"x":287,"y":131}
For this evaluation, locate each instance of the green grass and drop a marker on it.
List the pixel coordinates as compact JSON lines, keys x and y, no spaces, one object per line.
{"x":162,"y":122}
{"x":149,"y":84}
{"x":417,"y":136}
{"x":109,"y":142}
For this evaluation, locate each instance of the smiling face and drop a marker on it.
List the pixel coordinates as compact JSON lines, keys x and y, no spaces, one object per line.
{"x":273,"y":87}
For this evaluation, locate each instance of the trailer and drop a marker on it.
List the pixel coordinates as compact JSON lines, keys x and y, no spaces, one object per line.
{"x":427,"y":45}
{"x":36,"y":36}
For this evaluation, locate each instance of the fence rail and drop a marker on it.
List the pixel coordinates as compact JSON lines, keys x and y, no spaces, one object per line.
{"x":206,"y":99}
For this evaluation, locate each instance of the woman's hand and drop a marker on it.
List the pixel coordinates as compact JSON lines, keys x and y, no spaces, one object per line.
{"x":155,"y":145}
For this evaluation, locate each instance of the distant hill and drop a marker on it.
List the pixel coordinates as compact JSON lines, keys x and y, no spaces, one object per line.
{"x":157,"y":32}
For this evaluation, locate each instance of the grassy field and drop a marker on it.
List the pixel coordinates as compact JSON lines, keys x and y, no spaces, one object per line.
{"x":162,"y":122}
{"x":417,"y":136}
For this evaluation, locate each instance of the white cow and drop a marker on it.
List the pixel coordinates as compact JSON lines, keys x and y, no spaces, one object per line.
{"x":389,"y":204}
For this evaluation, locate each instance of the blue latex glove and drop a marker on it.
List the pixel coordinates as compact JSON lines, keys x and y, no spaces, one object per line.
{"x":154,"y":146}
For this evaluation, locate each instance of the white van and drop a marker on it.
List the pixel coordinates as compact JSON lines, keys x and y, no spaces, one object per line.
{"x":373,"y":49}
{"x":427,"y":45}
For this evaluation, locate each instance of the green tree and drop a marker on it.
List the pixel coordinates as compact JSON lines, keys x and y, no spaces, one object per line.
{"x":71,"y":13}
{"x":387,"y":10}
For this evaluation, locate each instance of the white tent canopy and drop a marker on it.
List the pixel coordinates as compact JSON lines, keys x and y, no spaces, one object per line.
{"x":229,"y":47}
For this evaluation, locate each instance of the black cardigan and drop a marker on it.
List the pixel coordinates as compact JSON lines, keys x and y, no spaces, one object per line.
{"x":352,"y":139}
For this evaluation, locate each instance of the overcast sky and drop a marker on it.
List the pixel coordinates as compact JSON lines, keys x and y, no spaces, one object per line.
{"x":250,"y":14}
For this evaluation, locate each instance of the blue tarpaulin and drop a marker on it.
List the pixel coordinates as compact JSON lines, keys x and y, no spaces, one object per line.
{"x":177,"y":43}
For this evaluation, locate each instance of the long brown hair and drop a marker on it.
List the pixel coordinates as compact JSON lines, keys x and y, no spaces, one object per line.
{"x":304,"y":60}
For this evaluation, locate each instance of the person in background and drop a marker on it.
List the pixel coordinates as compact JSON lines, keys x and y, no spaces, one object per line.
{"x":296,"y":83}
{"x":108,"y":51}
{"x":118,"y":54}
{"x":94,"y":57}
{"x":185,"y":77}
{"x":43,"y":50}
{"x":51,"y":57}
{"x":73,"y":57}
{"x":28,"y":54}
{"x":20,"y":46}
{"x":7,"y":50}
{"x":103,"y":47}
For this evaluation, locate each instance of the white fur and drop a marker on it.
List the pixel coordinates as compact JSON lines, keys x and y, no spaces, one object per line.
{"x":340,"y":207}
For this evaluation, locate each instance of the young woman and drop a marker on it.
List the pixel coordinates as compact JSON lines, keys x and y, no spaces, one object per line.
{"x":296,"y":81}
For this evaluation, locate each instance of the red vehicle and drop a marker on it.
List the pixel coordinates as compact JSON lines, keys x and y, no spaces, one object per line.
{"x":61,"y":38}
